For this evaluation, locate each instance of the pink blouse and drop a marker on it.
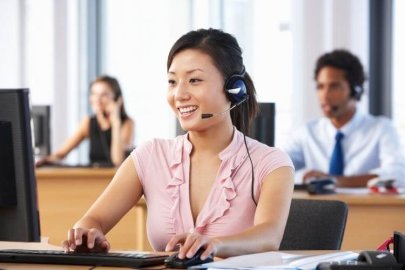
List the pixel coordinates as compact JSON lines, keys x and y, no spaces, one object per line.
{"x":163,"y":167}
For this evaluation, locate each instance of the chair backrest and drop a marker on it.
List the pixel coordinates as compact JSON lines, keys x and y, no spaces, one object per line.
{"x":315,"y":225}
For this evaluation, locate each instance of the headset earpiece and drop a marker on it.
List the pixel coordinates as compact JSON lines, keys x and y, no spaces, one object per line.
{"x":235,"y":88}
{"x":357,"y":91}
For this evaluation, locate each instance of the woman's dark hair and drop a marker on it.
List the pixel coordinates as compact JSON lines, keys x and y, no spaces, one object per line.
{"x":116,"y":89}
{"x":346,"y":61}
{"x":226,"y":55}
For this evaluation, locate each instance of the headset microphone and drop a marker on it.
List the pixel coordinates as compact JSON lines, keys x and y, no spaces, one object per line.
{"x":335,"y":108}
{"x":209,"y":115}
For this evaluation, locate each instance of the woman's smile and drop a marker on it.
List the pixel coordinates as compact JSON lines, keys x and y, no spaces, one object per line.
{"x":187,"y":111}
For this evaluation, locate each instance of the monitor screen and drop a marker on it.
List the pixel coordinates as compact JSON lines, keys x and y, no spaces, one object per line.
{"x":41,"y":118}
{"x":19,"y":218}
{"x":263,"y":127}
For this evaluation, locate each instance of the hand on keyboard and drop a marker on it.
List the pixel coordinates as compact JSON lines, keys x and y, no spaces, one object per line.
{"x":83,"y":240}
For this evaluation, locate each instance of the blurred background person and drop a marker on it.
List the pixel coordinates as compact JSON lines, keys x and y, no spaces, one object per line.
{"x":109,"y":128}
{"x":346,"y":145}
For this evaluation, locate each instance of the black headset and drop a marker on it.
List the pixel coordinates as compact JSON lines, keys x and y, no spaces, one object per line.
{"x":356,"y":91}
{"x":236,"y":91}
{"x":235,"y":88}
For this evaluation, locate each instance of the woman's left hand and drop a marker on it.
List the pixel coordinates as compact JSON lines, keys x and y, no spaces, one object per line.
{"x":190,"y":243}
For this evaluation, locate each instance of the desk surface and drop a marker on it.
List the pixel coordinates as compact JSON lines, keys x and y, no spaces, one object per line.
{"x":355,"y":199}
{"x":65,"y":194}
{"x":371,"y":220}
{"x":45,"y":246}
{"x":74,"y":173}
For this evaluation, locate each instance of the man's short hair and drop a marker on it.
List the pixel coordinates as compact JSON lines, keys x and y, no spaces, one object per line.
{"x":349,"y":63}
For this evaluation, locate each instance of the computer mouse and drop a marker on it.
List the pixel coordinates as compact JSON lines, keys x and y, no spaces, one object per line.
{"x":174,"y":262}
{"x":322,"y":186}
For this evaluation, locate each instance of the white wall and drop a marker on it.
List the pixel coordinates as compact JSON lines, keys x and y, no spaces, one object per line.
{"x":320,"y":26}
{"x":140,"y":34}
{"x":398,"y":85}
{"x":11,"y":39}
{"x":145,"y":31}
{"x":39,"y":49}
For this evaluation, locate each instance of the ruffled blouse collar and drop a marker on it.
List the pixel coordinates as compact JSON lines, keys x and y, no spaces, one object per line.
{"x":222,"y":192}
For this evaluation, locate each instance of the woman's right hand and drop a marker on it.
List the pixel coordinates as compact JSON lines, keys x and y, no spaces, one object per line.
{"x":48,"y":160}
{"x":86,"y":240}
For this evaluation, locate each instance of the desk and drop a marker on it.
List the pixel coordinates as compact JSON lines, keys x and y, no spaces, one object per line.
{"x":65,"y":194}
{"x":46,"y":246}
{"x":371,"y":219}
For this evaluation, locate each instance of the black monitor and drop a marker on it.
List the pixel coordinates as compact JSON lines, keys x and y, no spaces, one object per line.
{"x":19,"y":218}
{"x":41,"y":118}
{"x":263,"y":127}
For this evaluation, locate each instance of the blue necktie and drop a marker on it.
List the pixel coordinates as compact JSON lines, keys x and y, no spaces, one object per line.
{"x":337,"y":160}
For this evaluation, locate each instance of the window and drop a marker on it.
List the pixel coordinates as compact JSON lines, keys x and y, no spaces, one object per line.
{"x":263,"y":31}
{"x":138,"y":37}
{"x":398,"y":93}
{"x":137,"y":54}
{"x":51,"y":66}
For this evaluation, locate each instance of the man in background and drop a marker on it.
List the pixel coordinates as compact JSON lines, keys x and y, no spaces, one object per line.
{"x":346,"y":145}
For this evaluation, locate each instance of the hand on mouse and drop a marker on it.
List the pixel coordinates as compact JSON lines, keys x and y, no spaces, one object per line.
{"x":190,"y":243}
{"x":84,"y":240}
{"x":310,"y":175}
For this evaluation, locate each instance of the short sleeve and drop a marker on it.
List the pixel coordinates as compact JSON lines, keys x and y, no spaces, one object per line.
{"x":141,"y":158}
{"x":271,"y":160}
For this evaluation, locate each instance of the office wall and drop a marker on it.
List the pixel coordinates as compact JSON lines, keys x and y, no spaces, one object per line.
{"x":398,"y":80}
{"x":11,"y":39}
{"x":320,"y":26}
{"x":139,"y":37}
{"x":137,"y":54}
{"x":39,"y":50}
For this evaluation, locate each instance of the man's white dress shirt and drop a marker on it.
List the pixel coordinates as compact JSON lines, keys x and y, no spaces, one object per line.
{"x":371,"y":145}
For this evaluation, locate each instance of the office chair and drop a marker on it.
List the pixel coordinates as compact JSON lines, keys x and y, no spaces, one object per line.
{"x":315,"y":225}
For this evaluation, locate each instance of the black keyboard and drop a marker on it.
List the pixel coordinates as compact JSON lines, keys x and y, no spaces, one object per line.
{"x":133,"y":260}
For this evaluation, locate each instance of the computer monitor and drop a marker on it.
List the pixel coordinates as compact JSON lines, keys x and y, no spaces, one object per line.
{"x":263,"y":127}
{"x":19,"y":218}
{"x":41,"y":118}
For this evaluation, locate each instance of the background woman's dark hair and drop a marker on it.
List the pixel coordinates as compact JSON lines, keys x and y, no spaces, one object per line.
{"x":116,"y":89}
{"x":226,"y":54}
{"x":346,"y":61}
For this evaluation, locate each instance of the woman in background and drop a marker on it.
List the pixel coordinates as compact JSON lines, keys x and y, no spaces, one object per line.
{"x":110,"y":129}
{"x":212,"y":188}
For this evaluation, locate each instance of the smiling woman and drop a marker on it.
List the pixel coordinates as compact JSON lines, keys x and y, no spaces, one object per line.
{"x":203,"y":83}
{"x":212,"y":188}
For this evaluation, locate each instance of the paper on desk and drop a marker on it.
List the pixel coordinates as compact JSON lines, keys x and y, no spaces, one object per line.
{"x":311,"y":262}
{"x":279,"y":260}
{"x":253,"y":260}
{"x":353,"y":191}
{"x":364,"y":191}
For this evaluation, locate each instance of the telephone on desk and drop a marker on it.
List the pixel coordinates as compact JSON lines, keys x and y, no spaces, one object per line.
{"x":372,"y":260}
